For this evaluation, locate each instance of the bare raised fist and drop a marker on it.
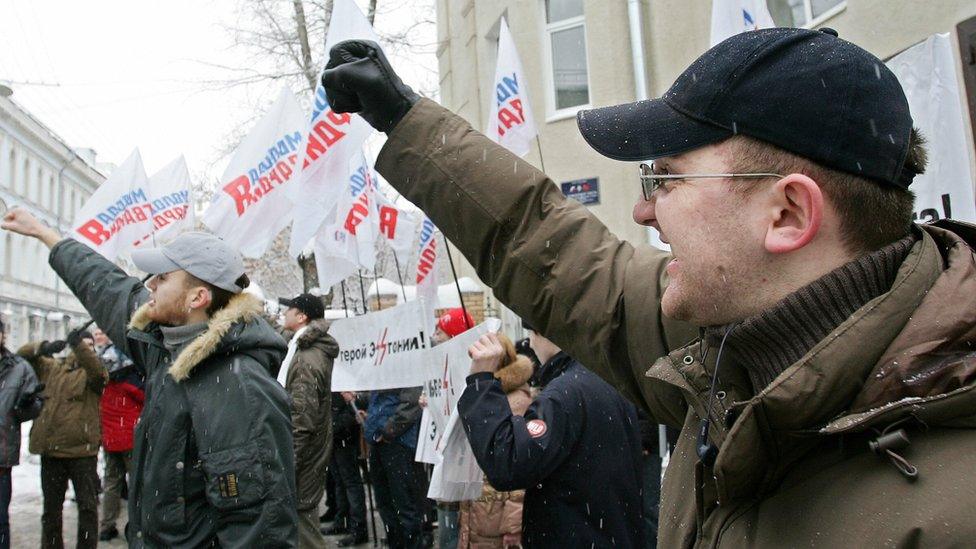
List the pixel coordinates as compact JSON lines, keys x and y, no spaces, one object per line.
{"x":486,"y":354}
{"x":21,"y":221}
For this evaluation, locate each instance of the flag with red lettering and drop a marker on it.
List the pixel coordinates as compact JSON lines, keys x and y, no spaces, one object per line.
{"x":332,"y":139}
{"x":251,"y":206}
{"x":348,"y":242}
{"x":510,"y":123}
{"x":398,"y":227}
{"x":118,"y":216}
{"x":427,"y":264}
{"x":172,"y":200}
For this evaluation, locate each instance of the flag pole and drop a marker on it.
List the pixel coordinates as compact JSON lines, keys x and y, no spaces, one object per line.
{"x":403,"y":290}
{"x":345,"y":304}
{"x":376,"y":280}
{"x":362,"y":290}
{"x":538,"y":144}
{"x":450,"y":259}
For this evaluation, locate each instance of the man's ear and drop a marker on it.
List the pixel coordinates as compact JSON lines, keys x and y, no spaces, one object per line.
{"x":796,"y":209}
{"x":200,"y":297}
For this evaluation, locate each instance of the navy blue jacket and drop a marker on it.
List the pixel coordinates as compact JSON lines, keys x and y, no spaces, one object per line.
{"x":576,"y":452}
{"x":394,"y":415}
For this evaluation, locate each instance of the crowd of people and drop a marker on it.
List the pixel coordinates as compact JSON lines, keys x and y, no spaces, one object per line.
{"x":811,"y":344}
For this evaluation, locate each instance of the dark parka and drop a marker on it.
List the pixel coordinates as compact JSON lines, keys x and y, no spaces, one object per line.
{"x":213,"y":462}
{"x":69,"y":425}
{"x":794,"y":466}
{"x":20,"y":401}
{"x":309,"y":384}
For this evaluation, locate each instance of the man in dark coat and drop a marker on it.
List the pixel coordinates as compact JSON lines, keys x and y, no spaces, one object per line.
{"x":213,"y":462}
{"x":307,"y":375}
{"x":576,"y":452}
{"x":350,"y":498}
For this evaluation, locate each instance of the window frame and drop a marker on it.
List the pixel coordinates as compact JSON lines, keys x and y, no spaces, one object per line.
{"x":552,"y":113}
{"x":823,"y":17}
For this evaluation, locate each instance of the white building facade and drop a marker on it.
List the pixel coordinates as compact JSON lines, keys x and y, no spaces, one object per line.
{"x":39,"y":172}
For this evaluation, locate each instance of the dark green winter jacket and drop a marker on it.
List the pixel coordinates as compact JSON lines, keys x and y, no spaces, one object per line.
{"x":213,"y":462}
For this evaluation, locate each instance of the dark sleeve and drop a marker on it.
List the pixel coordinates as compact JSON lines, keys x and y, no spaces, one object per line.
{"x":242,"y":427}
{"x":511,"y":458}
{"x":96,"y":376}
{"x":311,"y":405}
{"x":407,"y":413}
{"x":108,"y":294}
{"x":28,"y":395}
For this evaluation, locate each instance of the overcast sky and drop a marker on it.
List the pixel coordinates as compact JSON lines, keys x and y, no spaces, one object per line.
{"x":134,"y":74}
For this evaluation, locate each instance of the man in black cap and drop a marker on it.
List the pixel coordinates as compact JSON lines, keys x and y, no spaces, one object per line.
{"x":306,"y":374}
{"x":213,"y":463}
{"x":829,"y":398}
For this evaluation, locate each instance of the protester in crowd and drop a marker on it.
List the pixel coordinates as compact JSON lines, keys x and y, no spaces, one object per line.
{"x":67,"y":433}
{"x":577,"y":429}
{"x":495,"y":518}
{"x":20,"y":401}
{"x":835,"y":364}
{"x":213,"y":456}
{"x":350,"y":499}
{"x":121,"y":405}
{"x":451,"y":323}
{"x":391,"y":428}
{"x":306,"y":373}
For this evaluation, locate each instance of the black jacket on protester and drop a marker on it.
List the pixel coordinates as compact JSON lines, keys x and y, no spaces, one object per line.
{"x":213,"y":462}
{"x":345,"y":426}
{"x":576,"y":452}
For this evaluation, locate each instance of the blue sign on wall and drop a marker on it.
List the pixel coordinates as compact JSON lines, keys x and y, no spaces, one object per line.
{"x":586,"y":191}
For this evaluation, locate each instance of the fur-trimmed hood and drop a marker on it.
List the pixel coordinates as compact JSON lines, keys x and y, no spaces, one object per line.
{"x":317,"y":333}
{"x":236,"y":328}
{"x":515,"y":375}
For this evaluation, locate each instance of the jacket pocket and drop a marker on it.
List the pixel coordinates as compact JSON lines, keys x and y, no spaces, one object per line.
{"x":235,"y":478}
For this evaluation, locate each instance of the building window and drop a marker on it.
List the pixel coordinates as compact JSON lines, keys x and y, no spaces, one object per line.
{"x":566,"y":52}
{"x":803,"y":13}
{"x":12,"y":167}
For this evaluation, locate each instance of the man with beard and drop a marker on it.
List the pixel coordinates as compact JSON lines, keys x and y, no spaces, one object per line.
{"x":213,"y":462}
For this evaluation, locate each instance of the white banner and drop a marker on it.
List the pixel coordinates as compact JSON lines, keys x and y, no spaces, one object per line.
{"x":250,"y":207}
{"x":172,"y":200}
{"x":397,"y":226}
{"x":332,"y":140}
{"x":381,"y":350}
{"x":510,"y":123}
{"x":447,"y":367}
{"x":730,"y":17}
{"x":118,"y":216}
{"x":349,"y":241}
{"x":927,"y":72}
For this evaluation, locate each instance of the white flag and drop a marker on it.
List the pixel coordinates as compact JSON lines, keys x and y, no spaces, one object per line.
{"x":172,"y":200}
{"x":427,"y":265}
{"x":349,"y":241}
{"x":118,"y":216}
{"x":928,"y":74}
{"x":510,"y":123}
{"x":250,"y":207}
{"x":332,"y":140}
{"x":397,"y":226}
{"x":730,"y":17}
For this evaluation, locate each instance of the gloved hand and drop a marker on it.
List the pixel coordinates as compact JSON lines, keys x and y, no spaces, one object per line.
{"x":51,"y":348}
{"x":26,"y":399}
{"x":74,"y":337}
{"x":359,"y":79}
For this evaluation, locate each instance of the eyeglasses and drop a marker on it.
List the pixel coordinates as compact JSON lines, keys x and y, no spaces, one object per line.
{"x":651,"y":181}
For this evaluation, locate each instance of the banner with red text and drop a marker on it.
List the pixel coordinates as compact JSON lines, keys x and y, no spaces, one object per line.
{"x":172,"y":200}
{"x":448,"y":365}
{"x":510,"y":123}
{"x":426,"y":278}
{"x":250,"y":206}
{"x":348,"y":242}
{"x":385,"y":349}
{"x":397,"y":226}
{"x":332,"y":139}
{"x":118,"y":215}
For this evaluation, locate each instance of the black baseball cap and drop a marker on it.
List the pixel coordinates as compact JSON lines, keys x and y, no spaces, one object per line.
{"x":804,"y":91}
{"x":307,"y":303}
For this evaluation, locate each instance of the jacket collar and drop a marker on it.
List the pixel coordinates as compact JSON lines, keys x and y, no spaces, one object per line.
{"x":761,"y":436}
{"x":241,"y":308}
{"x":554,"y":368}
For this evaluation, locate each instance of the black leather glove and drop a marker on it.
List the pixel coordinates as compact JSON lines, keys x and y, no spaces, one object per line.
{"x":359,"y":79}
{"x":51,"y":348}
{"x":74,"y":337}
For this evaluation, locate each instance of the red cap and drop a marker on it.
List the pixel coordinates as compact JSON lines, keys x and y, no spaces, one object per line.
{"x":452,"y":322}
